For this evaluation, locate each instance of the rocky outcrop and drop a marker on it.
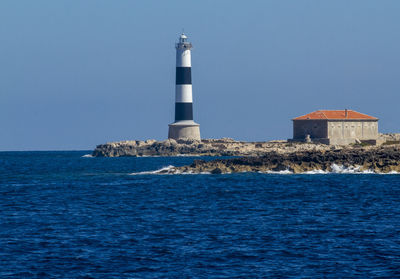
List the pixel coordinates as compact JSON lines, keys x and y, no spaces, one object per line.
{"x":261,"y":156}
{"x":205,"y":147}
{"x":216,"y":147}
{"x":377,"y":159}
{"x":390,"y":138}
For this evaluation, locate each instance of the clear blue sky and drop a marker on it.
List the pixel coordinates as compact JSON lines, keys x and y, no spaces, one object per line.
{"x":74,"y":74}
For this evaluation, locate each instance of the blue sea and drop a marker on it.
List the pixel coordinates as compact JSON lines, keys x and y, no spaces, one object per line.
{"x":67,"y":216}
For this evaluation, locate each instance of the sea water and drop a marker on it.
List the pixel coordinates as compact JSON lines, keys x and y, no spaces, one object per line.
{"x":66,"y":215}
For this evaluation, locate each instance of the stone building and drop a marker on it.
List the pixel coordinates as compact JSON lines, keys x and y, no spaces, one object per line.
{"x":335,"y":127}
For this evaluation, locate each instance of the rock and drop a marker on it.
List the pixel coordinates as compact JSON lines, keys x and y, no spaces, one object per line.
{"x":221,"y":147}
{"x":216,"y":171}
{"x":139,"y":143}
{"x":172,"y":142}
{"x":379,"y":160}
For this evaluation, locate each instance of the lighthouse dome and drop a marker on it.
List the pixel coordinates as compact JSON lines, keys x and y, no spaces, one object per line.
{"x":183,"y":44}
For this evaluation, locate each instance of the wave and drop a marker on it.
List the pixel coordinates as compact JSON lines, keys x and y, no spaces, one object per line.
{"x":165,"y":170}
{"x":336,"y":169}
{"x":349,"y":170}
{"x":287,"y":171}
{"x":316,"y":172}
{"x":87,"y":156}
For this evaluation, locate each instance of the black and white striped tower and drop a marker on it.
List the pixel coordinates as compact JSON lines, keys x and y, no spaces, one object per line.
{"x":184,"y":127}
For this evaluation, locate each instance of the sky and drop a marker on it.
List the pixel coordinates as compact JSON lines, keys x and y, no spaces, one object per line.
{"x":75,"y":74}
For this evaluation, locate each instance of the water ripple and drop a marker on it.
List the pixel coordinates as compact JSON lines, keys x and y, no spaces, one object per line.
{"x":64,"y":216}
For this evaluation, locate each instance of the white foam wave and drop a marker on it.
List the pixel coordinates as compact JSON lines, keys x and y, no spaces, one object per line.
{"x":168,"y":170}
{"x":336,"y":169}
{"x":165,"y":170}
{"x":316,"y":172}
{"x":287,"y":171}
{"x":340,"y":169}
{"x":190,"y":172}
{"x":87,"y":156}
{"x":349,"y":170}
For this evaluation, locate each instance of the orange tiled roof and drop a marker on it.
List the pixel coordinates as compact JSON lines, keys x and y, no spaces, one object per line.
{"x":335,"y":115}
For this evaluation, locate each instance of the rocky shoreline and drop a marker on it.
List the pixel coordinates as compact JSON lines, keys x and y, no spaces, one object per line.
{"x":205,"y":147}
{"x":375,"y":159}
{"x":273,"y":156}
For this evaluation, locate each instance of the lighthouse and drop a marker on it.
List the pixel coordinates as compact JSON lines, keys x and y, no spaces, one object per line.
{"x":184,"y":127}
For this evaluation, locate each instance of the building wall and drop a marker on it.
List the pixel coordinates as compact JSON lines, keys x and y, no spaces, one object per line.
{"x":335,"y":132}
{"x":315,"y":128}
{"x":345,"y":132}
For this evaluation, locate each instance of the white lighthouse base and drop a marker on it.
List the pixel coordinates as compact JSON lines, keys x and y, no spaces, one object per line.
{"x":185,"y":129}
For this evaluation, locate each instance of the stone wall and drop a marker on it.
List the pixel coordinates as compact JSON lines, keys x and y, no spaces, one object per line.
{"x":346,"y":132}
{"x":390,"y":138}
{"x":341,"y":132}
{"x":317,"y":129}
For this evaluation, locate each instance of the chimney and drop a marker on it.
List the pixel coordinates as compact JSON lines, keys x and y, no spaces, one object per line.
{"x":345,"y":113}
